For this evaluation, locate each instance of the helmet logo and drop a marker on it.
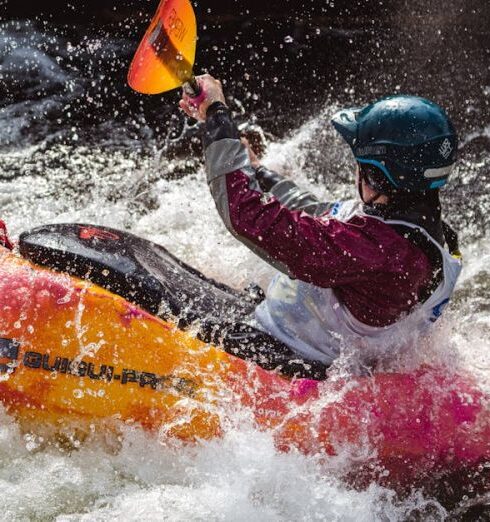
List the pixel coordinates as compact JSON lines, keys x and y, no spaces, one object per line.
{"x":373,"y":150}
{"x":445,"y":149}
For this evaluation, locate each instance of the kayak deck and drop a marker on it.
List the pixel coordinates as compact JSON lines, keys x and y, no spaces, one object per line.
{"x":72,"y":352}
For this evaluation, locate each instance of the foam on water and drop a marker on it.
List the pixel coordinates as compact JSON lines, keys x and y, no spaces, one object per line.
{"x":239,"y":477}
{"x":141,"y":477}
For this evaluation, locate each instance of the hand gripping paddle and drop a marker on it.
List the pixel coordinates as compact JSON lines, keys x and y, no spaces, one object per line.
{"x":165,"y":57}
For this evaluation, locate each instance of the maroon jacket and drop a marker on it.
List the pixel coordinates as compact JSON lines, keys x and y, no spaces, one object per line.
{"x":375,"y":271}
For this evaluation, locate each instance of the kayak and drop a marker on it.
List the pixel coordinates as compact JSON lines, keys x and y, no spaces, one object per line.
{"x":75,"y":354}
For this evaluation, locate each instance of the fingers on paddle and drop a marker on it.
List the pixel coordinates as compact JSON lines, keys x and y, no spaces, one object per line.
{"x":188,"y":108}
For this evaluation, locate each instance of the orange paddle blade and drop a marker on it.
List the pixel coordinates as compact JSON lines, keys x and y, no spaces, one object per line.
{"x":165,"y":56}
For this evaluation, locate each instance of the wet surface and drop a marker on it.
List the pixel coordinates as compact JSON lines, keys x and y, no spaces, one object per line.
{"x":77,"y":144}
{"x":65,"y":83}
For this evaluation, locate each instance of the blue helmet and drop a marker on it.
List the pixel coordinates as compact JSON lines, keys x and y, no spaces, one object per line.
{"x":409,"y":139}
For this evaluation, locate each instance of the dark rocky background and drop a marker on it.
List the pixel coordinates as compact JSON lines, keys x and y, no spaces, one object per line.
{"x":284,"y":58}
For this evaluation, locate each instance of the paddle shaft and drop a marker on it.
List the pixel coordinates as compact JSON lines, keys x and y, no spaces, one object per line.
{"x":191,"y":87}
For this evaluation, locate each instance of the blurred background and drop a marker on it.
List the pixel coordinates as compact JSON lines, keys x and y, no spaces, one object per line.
{"x":292,"y":54}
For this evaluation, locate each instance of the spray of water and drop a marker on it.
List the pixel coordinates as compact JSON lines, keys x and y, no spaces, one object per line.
{"x":53,"y":174}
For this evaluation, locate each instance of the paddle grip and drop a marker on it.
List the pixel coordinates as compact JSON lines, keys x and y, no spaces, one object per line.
{"x":192,"y":87}
{"x":194,"y":91}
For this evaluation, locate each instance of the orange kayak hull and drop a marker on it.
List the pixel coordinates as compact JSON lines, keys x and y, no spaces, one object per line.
{"x":72,"y":353}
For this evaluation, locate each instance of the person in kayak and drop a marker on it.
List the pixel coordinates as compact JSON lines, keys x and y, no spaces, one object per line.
{"x":370,"y":273}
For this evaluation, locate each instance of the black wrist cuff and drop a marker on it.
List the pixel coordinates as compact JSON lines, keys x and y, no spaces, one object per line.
{"x":215,"y":107}
{"x":219,"y":124}
{"x":267,"y":178}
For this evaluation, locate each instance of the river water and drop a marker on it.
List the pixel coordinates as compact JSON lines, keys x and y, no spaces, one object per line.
{"x":77,"y":145}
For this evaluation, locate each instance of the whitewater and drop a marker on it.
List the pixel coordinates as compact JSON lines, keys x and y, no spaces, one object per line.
{"x":119,"y":174}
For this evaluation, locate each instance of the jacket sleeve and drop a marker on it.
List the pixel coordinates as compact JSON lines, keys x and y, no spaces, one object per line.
{"x":289,"y":194}
{"x":324,"y":252}
{"x":220,"y":125}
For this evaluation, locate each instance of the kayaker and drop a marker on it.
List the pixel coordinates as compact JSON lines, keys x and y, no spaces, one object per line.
{"x":371,"y":273}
